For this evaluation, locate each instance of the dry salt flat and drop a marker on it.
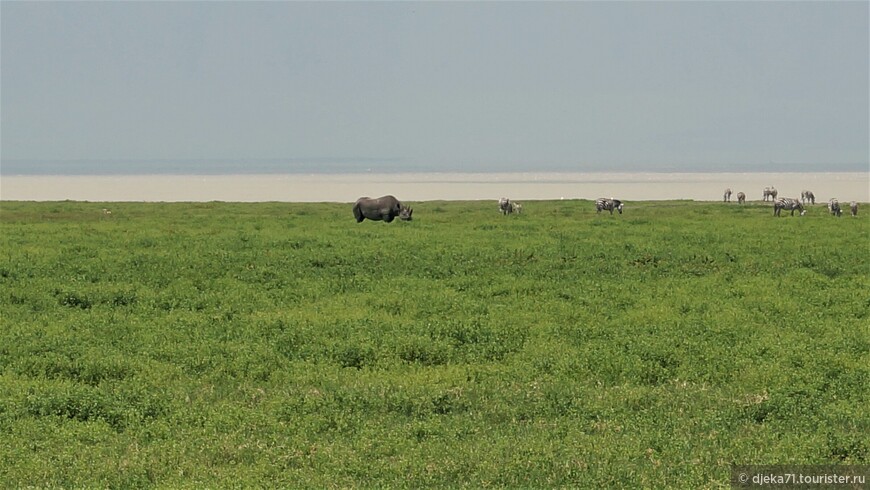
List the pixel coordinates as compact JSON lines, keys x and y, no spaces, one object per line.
{"x":845,"y":186}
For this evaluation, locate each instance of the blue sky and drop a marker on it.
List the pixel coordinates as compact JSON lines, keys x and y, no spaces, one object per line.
{"x":462,"y":85}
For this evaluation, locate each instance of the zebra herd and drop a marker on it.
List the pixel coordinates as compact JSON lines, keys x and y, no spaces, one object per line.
{"x":741,"y":197}
{"x":506,"y":206}
{"x":807,"y":197}
{"x":834,"y":207}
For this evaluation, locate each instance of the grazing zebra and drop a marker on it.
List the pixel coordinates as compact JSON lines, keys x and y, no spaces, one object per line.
{"x":853,"y":206}
{"x":808,"y":197}
{"x":504,"y":205}
{"x":834,"y":207}
{"x":741,"y":197}
{"x":788,"y":203}
{"x":728,"y":195}
{"x":608,"y":204}
{"x":770,"y":192}
{"x":516,"y":207}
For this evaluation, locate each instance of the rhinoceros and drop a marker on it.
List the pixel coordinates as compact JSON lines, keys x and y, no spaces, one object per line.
{"x":384,"y":208}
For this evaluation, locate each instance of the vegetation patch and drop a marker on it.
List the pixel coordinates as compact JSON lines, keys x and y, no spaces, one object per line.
{"x":285,"y":345}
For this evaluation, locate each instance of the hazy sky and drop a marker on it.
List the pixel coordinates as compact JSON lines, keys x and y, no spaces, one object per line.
{"x":456,"y":85}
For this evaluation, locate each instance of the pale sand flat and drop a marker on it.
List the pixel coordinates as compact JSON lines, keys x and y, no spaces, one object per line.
{"x":845,"y":186}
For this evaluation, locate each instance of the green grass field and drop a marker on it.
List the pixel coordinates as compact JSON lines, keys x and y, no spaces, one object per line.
{"x":284,"y":345}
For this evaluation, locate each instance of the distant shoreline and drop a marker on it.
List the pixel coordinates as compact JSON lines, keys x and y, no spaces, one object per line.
{"x":430,"y":186}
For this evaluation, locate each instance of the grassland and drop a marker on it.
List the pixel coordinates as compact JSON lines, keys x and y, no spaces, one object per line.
{"x":284,"y":345}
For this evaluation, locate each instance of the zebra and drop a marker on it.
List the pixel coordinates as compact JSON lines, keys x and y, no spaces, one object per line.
{"x":788,"y":203}
{"x":741,"y":197}
{"x":504,"y":205}
{"x":608,"y":204}
{"x":770,"y":192}
{"x":727,"y":195}
{"x":808,"y":197}
{"x":853,"y":206}
{"x":834,"y":207}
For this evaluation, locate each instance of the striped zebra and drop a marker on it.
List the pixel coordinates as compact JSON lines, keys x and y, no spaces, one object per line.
{"x":853,"y":206}
{"x":741,"y":197}
{"x":770,"y":192}
{"x":608,"y":205}
{"x":504,"y":205}
{"x":788,"y":203}
{"x":834,"y":207}
{"x":808,"y":197}
{"x":727,"y":195}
